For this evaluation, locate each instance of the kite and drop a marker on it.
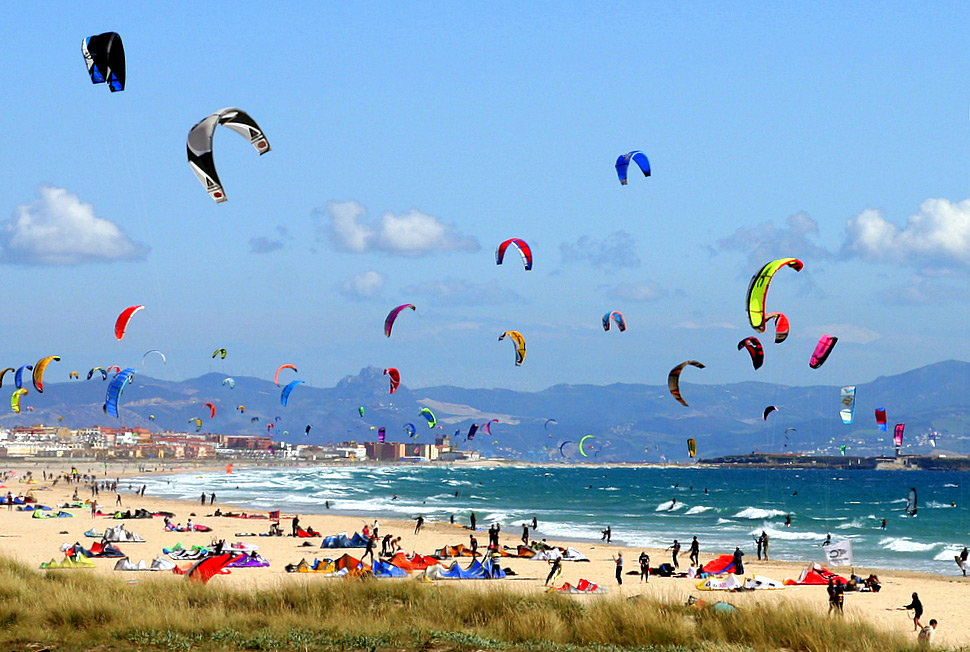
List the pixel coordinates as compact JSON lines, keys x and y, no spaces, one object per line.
{"x":758,"y":290}
{"x":673,"y":379}
{"x":898,"y":434}
{"x":18,"y":376}
{"x":212,"y":410}
{"x":782,"y":326}
{"x":768,"y":410}
{"x":822,"y":350}
{"x":757,"y":352}
{"x":881,"y":418}
{"x":198,"y":146}
{"x":848,"y":404}
{"x":104,"y":374}
{"x":4,"y":373}
{"x":285,"y":395}
{"x":381,"y":435}
{"x":145,"y":355}
{"x":39,"y":369}
{"x":617,"y":317}
{"x":488,"y":426}
{"x":524,"y":250}
{"x":74,"y":375}
{"x":241,"y":408}
{"x":222,"y":353}
{"x":911,"y":502}
{"x":104,"y":55}
{"x":254,"y":420}
{"x":307,"y":431}
{"x":121,"y":324}
{"x":276,"y":377}
{"x":623,"y":162}
{"x":15,"y":399}
{"x":563,"y":445}
{"x":229,"y":381}
{"x":392,"y":316}
{"x":115,"y":388}
{"x":395,"y":378}
{"x":842,"y":450}
{"x":548,"y":421}
{"x":113,"y":369}
{"x":429,"y":415}
{"x":519,"y":341}
{"x":692,"y":447}
{"x":471,"y":432}
{"x":582,"y":451}
{"x":360,"y":410}
{"x":410,"y":429}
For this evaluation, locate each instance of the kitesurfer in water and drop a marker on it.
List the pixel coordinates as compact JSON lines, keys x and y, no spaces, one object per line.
{"x":787,"y":520}
{"x":883,"y":525}
{"x":673,"y":503}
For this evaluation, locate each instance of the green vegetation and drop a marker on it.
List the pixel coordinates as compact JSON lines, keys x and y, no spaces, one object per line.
{"x":79,"y":610}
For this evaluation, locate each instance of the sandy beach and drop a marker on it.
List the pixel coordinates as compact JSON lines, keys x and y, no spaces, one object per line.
{"x":34,"y":541}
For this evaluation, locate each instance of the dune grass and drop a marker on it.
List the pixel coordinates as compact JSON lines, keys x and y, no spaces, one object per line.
{"x":79,"y":610}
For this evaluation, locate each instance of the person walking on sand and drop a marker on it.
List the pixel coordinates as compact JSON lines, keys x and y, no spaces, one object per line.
{"x":836,"y":596}
{"x":618,"y":560}
{"x":695,"y":552}
{"x":675,"y":550}
{"x":554,"y":571}
{"x":525,"y":534}
{"x":473,"y":542}
{"x":369,"y":550}
{"x":295,"y":524}
{"x":94,"y":508}
{"x":607,"y":534}
{"x":118,"y":499}
{"x":917,"y":608}
{"x":420,"y":522}
{"x":644,"y":567}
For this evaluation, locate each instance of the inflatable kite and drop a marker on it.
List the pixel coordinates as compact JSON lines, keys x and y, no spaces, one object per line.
{"x":623,"y":162}
{"x":39,"y":369}
{"x":429,"y":415}
{"x":394,"y":376}
{"x":898,"y":434}
{"x":156,"y":351}
{"x":822,"y":351}
{"x":757,"y":352}
{"x":692,"y":447}
{"x":222,"y":353}
{"x":392,"y":316}
{"x":212,"y":409}
{"x":524,"y":250}
{"x":276,"y":376}
{"x":782,"y":325}
{"x":285,"y":395}
{"x":847,"y":399}
{"x":758,"y":290}
{"x":104,"y":374}
{"x":198,"y":146}
{"x":673,"y":379}
{"x":519,"y":341}
{"x":617,"y":317}
{"x":768,"y":410}
{"x":229,"y":381}
{"x":121,"y":324}
{"x":18,"y":376}
{"x":104,"y":55}
{"x":115,"y":388}
{"x":582,"y":451}
{"x":15,"y":399}
{"x":881,"y":418}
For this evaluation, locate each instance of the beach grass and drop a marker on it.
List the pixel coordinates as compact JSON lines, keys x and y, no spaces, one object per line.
{"x":69,"y":610}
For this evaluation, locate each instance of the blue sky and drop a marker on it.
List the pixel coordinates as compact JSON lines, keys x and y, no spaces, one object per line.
{"x":409,"y":141}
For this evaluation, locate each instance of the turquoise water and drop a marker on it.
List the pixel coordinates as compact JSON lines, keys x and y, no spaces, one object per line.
{"x":577,"y":503}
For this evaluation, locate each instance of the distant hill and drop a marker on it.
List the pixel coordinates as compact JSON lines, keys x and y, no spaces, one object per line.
{"x":629,"y":422}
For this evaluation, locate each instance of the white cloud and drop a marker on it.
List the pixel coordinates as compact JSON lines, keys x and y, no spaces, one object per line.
{"x":638,"y":292}
{"x":409,"y":234}
{"x":766,"y":242}
{"x":367,"y":285}
{"x":846,"y":333}
{"x":463,"y":293}
{"x":264,"y":245}
{"x":60,"y":229}
{"x":617,"y":250}
{"x":938,"y":235}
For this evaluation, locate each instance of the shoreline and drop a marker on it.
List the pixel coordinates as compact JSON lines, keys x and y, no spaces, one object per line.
{"x":942,"y":595}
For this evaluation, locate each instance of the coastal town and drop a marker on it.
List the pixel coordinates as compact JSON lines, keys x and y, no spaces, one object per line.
{"x":136,"y":443}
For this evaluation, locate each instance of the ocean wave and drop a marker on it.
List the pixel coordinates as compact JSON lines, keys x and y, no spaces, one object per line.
{"x":949,"y":551}
{"x":697,"y":509}
{"x":787,"y":535}
{"x":905,"y":544}
{"x":853,"y":524}
{"x":758,"y":513}
{"x":952,"y":486}
{"x":937,"y":505}
{"x":724,"y":521}
{"x":669,"y":506}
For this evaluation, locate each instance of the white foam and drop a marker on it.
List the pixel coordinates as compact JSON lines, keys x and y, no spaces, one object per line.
{"x":949,"y":551}
{"x":669,"y":506}
{"x":787,"y":535}
{"x":853,"y":524}
{"x":758,"y":513}
{"x":936,"y":505}
{"x":951,"y":485}
{"x":905,"y":544}
{"x":697,"y":509}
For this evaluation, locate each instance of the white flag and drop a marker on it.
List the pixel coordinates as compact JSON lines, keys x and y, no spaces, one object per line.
{"x":839,"y":553}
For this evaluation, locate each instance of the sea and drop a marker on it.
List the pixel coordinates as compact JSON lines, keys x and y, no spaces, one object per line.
{"x":644,"y":507}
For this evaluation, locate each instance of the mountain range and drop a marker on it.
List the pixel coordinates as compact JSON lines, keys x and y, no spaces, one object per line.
{"x":629,"y":422}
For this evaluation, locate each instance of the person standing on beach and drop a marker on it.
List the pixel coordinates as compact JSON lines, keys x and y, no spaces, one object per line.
{"x":836,"y":596}
{"x":420,"y":522}
{"x":618,"y":560}
{"x":212,"y":498}
{"x":917,"y":608}
{"x":9,"y":501}
{"x":94,"y":508}
{"x":644,"y":567}
{"x":369,"y":550}
{"x":764,"y":543}
{"x":962,"y":560}
{"x":295,"y":523}
{"x":473,"y":542}
{"x":203,"y":498}
{"x":525,"y":534}
{"x":607,"y":534}
{"x":695,"y":552}
{"x":472,"y":520}
{"x":386,"y":545}
{"x":535,"y":523}
{"x":925,"y":636}
{"x":375,"y":528}
{"x":760,"y":542}
{"x":738,"y":564}
{"x":675,"y":550}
